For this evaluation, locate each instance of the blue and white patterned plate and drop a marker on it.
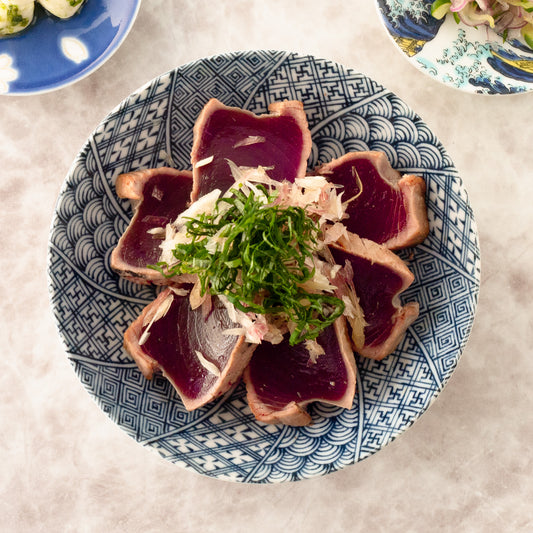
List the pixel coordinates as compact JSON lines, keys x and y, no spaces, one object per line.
{"x":93,"y":306}
{"x":53,"y":53}
{"x":475,"y":60}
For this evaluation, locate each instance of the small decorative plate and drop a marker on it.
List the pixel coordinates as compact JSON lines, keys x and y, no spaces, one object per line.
{"x":475,"y":60}
{"x":93,"y":306}
{"x":52,"y":53}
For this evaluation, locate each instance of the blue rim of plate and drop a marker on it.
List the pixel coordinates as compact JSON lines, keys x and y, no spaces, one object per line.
{"x":33,"y":61}
{"x":474,"y":60}
{"x":93,"y":306}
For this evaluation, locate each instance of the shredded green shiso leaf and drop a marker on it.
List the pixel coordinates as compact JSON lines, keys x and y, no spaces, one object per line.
{"x":262,"y":255}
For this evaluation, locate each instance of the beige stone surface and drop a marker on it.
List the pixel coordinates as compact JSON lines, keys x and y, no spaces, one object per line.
{"x":466,"y":465}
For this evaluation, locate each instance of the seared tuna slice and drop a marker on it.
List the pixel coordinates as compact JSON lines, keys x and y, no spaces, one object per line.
{"x":281,"y":380}
{"x":159,"y":196}
{"x":280,"y":140}
{"x":389,"y":209}
{"x":379,"y":277}
{"x":190,"y":349}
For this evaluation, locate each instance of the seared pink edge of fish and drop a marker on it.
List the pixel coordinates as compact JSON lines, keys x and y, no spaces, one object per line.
{"x":405,"y":315}
{"x":238,"y":360}
{"x":412,"y":189}
{"x":292,"y":108}
{"x":295,"y":413}
{"x":131,"y":185}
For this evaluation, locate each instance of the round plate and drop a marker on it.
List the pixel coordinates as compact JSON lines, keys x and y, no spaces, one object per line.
{"x":475,"y":60}
{"x":93,"y":306}
{"x":53,"y":53}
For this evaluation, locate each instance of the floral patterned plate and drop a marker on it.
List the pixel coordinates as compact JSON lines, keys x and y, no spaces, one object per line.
{"x":52,"y":53}
{"x":93,"y":306}
{"x":475,"y":60}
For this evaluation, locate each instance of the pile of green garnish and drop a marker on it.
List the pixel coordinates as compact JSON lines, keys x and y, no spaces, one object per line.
{"x":258,"y":254}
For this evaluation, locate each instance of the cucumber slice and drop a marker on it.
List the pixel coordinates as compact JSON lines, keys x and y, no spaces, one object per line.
{"x":440,"y":8}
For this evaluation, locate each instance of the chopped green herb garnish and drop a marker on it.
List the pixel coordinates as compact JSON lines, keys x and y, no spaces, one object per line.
{"x":14,"y":17}
{"x":258,"y":255}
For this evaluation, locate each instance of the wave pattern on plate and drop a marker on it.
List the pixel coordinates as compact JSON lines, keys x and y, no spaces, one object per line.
{"x":475,"y":60}
{"x":93,"y":306}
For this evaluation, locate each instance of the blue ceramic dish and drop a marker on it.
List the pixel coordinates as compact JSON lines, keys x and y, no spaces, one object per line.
{"x":475,"y":60}
{"x":52,"y":53}
{"x":93,"y":306}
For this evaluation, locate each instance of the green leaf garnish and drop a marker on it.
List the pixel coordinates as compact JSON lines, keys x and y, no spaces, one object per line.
{"x":258,"y":255}
{"x":14,"y":17}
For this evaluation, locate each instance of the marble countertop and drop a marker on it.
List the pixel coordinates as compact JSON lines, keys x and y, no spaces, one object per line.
{"x":466,"y":465}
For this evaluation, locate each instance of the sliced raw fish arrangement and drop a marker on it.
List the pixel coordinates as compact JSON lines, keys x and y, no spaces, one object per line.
{"x":281,"y":380}
{"x":159,"y":195}
{"x":244,"y":208}
{"x":188,"y":347}
{"x":379,"y":278}
{"x":279,"y":141}
{"x":387,"y":208}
